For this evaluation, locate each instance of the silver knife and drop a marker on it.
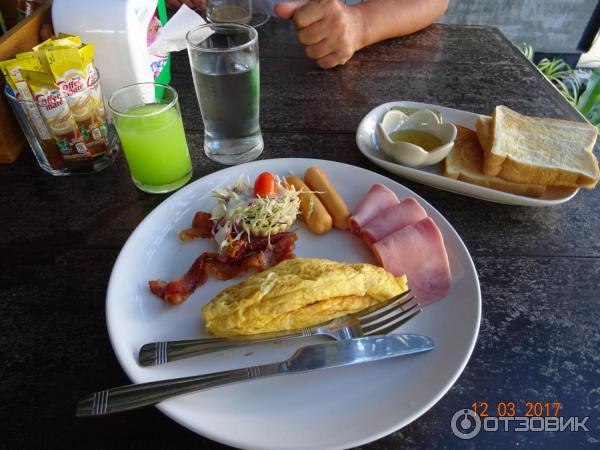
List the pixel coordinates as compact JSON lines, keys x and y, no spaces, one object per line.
{"x":312,"y":357}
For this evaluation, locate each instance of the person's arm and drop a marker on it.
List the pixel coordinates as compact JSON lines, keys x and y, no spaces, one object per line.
{"x":391,"y":18}
{"x":332,"y":31}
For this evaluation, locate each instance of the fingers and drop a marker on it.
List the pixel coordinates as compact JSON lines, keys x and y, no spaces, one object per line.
{"x":328,"y":29}
{"x":319,"y":50}
{"x":308,"y":14}
{"x":328,"y":54}
{"x":333,"y":60}
{"x":286,"y":10}
{"x":314,"y":33}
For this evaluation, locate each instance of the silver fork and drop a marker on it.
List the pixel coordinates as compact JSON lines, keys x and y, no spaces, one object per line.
{"x":378,"y":319}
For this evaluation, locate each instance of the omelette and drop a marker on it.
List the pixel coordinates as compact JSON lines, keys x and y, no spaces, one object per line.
{"x":298,"y":293}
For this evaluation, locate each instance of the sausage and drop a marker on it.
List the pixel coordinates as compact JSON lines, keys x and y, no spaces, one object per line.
{"x":335,"y":205}
{"x":318,"y":221}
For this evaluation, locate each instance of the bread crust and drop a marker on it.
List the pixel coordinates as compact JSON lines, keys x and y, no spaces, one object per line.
{"x":536,"y":150}
{"x":465,"y":163}
{"x":483,"y":127}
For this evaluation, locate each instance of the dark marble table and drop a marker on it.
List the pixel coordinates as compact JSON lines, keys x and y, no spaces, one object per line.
{"x":539,"y":268}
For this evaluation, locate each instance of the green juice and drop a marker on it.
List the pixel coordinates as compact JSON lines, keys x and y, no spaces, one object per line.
{"x":155,"y":147}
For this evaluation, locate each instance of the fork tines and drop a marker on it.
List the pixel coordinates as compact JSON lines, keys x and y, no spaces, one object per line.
{"x":389,"y":316}
{"x":379,"y":306}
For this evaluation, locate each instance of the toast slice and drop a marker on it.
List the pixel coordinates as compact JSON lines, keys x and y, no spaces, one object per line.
{"x":484,"y":132}
{"x":465,"y":163}
{"x":540,"y":151}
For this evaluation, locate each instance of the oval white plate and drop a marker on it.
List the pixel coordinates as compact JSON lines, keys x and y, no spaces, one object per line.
{"x":366,"y":140}
{"x":336,"y":408}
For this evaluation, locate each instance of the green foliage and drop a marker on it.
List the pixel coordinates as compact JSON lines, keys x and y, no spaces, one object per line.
{"x":526,"y":49}
{"x":589,"y":101}
{"x":558,"y":72}
{"x":562,"y":76}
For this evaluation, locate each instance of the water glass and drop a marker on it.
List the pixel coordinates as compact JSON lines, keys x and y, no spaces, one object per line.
{"x":236,"y":11}
{"x":225,"y":68}
{"x":150,"y":128}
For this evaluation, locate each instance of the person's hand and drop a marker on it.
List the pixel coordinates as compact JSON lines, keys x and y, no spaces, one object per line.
{"x":193,"y":4}
{"x":329,"y":30}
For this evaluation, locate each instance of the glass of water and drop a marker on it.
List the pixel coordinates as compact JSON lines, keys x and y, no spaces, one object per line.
{"x":225,"y":68}
{"x":238,"y":11}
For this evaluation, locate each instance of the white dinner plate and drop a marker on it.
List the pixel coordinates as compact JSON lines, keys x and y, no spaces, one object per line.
{"x":335,"y":408}
{"x":366,"y":139}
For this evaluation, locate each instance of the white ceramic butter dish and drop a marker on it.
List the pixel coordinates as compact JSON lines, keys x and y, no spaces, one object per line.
{"x":408,"y":153}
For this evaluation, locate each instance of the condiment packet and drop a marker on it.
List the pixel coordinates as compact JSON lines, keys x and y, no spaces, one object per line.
{"x":5,"y":72}
{"x":74,"y":73}
{"x":63,"y":40}
{"x":12,"y":72}
{"x":57,"y":85}
{"x":56,"y":113}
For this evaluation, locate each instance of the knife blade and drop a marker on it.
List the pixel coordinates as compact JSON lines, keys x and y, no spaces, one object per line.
{"x":309,"y":358}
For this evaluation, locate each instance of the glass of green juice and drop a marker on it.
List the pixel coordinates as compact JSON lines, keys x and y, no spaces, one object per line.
{"x":149,"y":125}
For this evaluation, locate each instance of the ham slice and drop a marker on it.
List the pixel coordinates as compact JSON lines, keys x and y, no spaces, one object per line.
{"x":394,"y":218}
{"x":417,"y":251}
{"x":376,"y":200}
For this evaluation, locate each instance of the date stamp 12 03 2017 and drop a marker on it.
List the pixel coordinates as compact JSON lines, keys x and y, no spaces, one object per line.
{"x":513,"y":417}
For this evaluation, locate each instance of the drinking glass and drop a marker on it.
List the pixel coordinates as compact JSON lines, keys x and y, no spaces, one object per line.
{"x":71,"y":135}
{"x":225,"y":69}
{"x":237,"y":11}
{"x":150,"y":128}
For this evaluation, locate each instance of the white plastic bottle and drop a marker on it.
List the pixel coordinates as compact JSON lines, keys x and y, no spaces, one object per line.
{"x":119,"y":30}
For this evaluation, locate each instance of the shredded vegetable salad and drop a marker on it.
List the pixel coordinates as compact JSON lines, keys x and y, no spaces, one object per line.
{"x":240,"y":213}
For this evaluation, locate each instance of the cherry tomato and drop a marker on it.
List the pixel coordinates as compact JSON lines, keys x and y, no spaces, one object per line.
{"x":264,"y":185}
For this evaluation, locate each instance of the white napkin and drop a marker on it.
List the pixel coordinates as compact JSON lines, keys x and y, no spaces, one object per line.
{"x":172,"y":36}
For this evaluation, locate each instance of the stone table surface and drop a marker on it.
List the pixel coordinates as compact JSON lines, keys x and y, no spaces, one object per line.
{"x":539,"y":268}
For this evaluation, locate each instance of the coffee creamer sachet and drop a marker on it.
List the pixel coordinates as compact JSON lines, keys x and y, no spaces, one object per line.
{"x":58,"y":88}
{"x":63,"y":40}
{"x":74,"y":73}
{"x":54,"y":109}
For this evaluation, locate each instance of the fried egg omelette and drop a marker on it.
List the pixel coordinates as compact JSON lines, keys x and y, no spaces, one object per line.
{"x":298,"y":293}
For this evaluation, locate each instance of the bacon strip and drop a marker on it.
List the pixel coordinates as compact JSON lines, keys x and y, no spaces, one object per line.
{"x":258,"y":256}
{"x":201,"y":227}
